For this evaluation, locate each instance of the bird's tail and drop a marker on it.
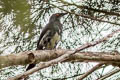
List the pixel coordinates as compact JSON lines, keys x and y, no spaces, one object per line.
{"x":30,"y":66}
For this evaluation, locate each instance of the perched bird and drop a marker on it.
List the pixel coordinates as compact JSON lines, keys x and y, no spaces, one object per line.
{"x":50,"y":35}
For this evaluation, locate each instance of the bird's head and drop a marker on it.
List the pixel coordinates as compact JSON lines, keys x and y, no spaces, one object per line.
{"x":57,"y":16}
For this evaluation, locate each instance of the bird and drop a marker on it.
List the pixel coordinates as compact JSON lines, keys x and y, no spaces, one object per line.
{"x":50,"y":35}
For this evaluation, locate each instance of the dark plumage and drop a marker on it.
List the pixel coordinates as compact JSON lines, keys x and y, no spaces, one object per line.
{"x":50,"y":35}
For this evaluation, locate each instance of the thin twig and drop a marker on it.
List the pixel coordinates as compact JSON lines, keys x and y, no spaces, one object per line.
{"x":90,"y":71}
{"x":109,"y":74}
{"x":89,"y":8}
{"x":85,"y":16}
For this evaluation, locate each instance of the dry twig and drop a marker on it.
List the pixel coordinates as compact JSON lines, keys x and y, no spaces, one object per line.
{"x":90,"y":71}
{"x":108,"y":74}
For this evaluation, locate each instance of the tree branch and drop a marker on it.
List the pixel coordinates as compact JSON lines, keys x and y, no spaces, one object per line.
{"x":47,"y":55}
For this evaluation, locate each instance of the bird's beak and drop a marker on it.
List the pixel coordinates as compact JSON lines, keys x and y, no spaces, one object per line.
{"x":62,"y":14}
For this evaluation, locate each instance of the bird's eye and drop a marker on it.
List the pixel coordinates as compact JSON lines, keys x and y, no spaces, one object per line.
{"x":57,"y":14}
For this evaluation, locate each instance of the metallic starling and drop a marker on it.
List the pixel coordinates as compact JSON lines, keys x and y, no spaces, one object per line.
{"x":50,"y":35}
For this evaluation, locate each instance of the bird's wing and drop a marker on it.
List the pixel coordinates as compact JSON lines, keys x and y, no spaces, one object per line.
{"x":45,"y":29}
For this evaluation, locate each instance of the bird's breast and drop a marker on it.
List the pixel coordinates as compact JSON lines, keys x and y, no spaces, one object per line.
{"x":53,"y":42}
{"x":50,"y":40}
